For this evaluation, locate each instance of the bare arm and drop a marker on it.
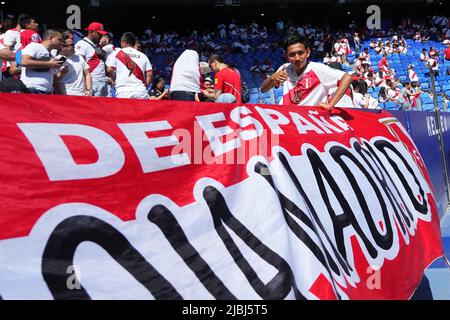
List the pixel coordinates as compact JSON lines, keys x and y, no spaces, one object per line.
{"x":88,"y":79}
{"x":29,"y":62}
{"x":6,"y":54}
{"x":275,"y":80}
{"x":111,"y":72}
{"x":345,"y":83}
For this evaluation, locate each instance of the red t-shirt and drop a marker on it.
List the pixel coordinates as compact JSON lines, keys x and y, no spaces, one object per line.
{"x":447,"y":53}
{"x":229,"y":81}
{"x":29,"y":36}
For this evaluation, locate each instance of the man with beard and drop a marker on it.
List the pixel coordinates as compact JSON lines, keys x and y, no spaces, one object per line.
{"x":95,"y":57}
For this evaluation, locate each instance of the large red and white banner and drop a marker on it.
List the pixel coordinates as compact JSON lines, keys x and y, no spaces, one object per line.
{"x":127,"y":199}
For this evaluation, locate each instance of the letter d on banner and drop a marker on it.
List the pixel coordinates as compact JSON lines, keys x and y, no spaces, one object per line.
{"x":56,"y":158}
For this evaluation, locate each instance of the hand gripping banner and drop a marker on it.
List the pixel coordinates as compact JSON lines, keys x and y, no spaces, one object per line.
{"x":126,"y":199}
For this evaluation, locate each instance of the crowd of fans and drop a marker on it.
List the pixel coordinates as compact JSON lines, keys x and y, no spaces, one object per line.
{"x":92,"y":63}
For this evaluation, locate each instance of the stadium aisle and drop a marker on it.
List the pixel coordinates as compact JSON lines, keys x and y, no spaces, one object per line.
{"x":438,"y":274}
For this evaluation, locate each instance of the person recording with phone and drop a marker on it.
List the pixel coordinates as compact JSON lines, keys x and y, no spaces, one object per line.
{"x":74,"y":78}
{"x":39,"y":68}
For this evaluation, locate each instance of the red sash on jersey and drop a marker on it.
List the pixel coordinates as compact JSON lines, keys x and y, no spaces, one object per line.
{"x":131,"y":65}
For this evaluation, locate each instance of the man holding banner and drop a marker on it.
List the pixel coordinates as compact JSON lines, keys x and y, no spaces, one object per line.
{"x":131,"y":69}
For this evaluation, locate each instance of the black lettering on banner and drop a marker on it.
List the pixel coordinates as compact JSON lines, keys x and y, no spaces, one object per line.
{"x":347,"y":217}
{"x":341,"y":259}
{"x":164,"y":219}
{"x":280,"y":285}
{"x":290,"y":208}
{"x":70,"y":233}
{"x":382,"y":145}
{"x":400,"y":216}
{"x":383,"y":241}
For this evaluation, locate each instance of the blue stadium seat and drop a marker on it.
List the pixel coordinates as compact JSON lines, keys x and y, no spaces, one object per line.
{"x":391,"y":106}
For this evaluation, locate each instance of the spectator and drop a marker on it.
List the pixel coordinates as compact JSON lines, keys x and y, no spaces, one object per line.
{"x":107,"y":46}
{"x":412,"y":75}
{"x":159,"y":91}
{"x":29,"y":32}
{"x":226,"y":80}
{"x":306,"y":83}
{"x":130,"y":69}
{"x":11,"y":38}
{"x":39,"y":68}
{"x":74,"y":79}
{"x":267,"y":68}
{"x":95,"y":57}
{"x":424,"y":55}
{"x":256,"y":68}
{"x":186,"y":80}
{"x":205,"y":94}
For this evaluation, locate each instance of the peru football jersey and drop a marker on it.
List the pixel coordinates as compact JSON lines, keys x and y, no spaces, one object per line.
{"x":311,"y":87}
{"x":131,"y":67}
{"x":85,"y":48}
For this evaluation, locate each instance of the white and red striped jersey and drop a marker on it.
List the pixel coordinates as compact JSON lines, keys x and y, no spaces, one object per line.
{"x":311,"y":87}
{"x":424,"y":57}
{"x":365,"y":57}
{"x":131,"y":69}
{"x":85,"y":48}
{"x":412,"y":76}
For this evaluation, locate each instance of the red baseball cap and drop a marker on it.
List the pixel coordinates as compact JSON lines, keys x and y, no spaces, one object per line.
{"x":96,"y":26}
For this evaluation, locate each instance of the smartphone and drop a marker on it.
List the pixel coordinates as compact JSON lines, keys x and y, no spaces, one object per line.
{"x":61,"y":58}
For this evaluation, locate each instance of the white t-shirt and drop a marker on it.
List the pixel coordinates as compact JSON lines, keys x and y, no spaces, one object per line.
{"x":186,"y":73}
{"x":85,"y":48}
{"x":73,"y":82}
{"x":126,"y":79}
{"x":12,"y":38}
{"x":314,"y":84}
{"x":39,"y":80}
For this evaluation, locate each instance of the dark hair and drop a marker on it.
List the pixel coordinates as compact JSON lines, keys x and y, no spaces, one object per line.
{"x":157,"y":79}
{"x":67,"y":35}
{"x":216,"y":58}
{"x":362,"y":86}
{"x":291,"y":40}
{"x":24,"y":20}
{"x":129,"y":38}
{"x":382,"y":93}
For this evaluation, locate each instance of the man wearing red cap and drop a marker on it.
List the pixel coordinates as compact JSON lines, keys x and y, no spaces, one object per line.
{"x":95,"y":57}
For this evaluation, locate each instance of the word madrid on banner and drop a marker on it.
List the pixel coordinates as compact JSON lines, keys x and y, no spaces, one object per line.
{"x":177,"y":200}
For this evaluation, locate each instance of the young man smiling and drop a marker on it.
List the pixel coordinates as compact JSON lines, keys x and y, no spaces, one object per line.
{"x":307,"y":83}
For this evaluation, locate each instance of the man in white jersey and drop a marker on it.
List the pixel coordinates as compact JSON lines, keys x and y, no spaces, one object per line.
{"x":306,"y":83}
{"x":90,"y":50}
{"x":130,"y":69}
{"x":39,"y":68}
